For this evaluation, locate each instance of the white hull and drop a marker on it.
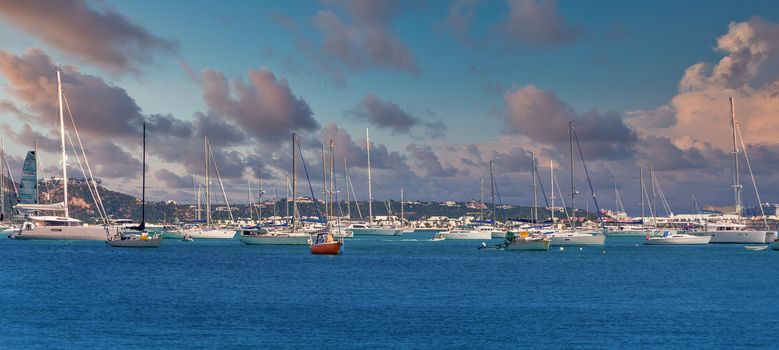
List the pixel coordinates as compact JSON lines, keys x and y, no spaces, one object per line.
{"x":467,"y":235}
{"x":76,"y":233}
{"x":626,"y":233}
{"x":562,"y":239}
{"x":211,"y":233}
{"x":136,"y":243}
{"x":499,"y":234}
{"x":530,"y":245}
{"x":742,"y":237}
{"x":378,"y":231}
{"x":678,"y":240}
{"x":277,"y":239}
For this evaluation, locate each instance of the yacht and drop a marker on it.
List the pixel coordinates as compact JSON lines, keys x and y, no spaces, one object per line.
{"x":467,"y":234}
{"x":672,"y":237}
{"x":54,"y":227}
{"x":373,"y":230}
{"x":737,"y":233}
{"x":260,"y":236}
{"x":577,"y":238}
{"x":524,"y":241}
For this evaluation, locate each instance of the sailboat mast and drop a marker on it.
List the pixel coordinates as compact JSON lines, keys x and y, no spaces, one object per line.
{"x":294,"y":184}
{"x":208,"y":182}
{"x":535,"y":193}
{"x":551,"y":181}
{"x":481,"y":196}
{"x":332,"y":180}
{"x":402,"y":211}
{"x":63,"y":156}
{"x":492,"y":190}
{"x":259,"y":199}
{"x":736,"y":180}
{"x":641,"y":176}
{"x":348,"y":202}
{"x":143,"y":180}
{"x":370,"y":194}
{"x":573,"y":190}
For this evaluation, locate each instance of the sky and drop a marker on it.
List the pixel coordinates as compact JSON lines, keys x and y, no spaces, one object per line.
{"x":444,"y":87}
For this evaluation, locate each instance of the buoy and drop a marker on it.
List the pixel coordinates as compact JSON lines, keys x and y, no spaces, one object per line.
{"x":580,"y":249}
{"x":562,"y":248}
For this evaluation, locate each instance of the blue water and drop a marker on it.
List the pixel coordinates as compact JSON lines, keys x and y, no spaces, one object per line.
{"x":385,"y":293}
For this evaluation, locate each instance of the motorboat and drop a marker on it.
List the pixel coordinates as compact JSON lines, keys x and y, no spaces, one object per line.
{"x":738,"y":234}
{"x":755,"y":247}
{"x":524,"y":241}
{"x":577,"y":238}
{"x":373,"y":230}
{"x":467,"y":234}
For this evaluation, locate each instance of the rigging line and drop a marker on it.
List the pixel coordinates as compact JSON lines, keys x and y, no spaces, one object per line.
{"x":81,"y":167}
{"x":754,"y":183}
{"x":541,"y":183}
{"x":562,"y":198}
{"x":221,"y":185}
{"x":592,"y":191}
{"x":308,"y":179}
{"x":90,"y":181}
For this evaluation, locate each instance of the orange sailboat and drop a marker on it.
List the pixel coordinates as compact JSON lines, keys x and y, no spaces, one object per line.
{"x":325,"y":242}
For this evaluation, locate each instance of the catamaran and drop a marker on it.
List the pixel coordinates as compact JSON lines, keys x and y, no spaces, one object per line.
{"x":738,"y":232}
{"x":54,"y":227}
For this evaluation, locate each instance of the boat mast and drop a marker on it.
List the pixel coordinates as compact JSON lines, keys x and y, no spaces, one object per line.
{"x":2,"y":180}
{"x":348,"y":202}
{"x":573,"y":190}
{"x":654,"y":196}
{"x":551,"y":180}
{"x":259,"y":199}
{"x":534,"y":211}
{"x":63,"y":156}
{"x":641,"y":181}
{"x":481,"y":196}
{"x":736,"y":181}
{"x":492,"y":190}
{"x":370,"y":195}
{"x":143,"y":182}
{"x":294,"y":184}
{"x":332,"y":180}
{"x":208,"y":182}
{"x":324,"y":184}
{"x":402,"y":212}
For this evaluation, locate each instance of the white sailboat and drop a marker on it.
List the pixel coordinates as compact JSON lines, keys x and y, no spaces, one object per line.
{"x":577,"y":236}
{"x":467,"y":234}
{"x":211,"y":231}
{"x":288,"y":236}
{"x":372,"y":229}
{"x":674,"y":237}
{"x":55,"y":227}
{"x":143,"y":238}
{"x":738,"y":232}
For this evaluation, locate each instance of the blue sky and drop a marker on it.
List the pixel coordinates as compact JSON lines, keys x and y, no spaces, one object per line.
{"x":614,"y":66}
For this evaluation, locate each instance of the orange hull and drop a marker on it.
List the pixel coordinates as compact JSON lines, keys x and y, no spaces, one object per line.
{"x":331,"y":248}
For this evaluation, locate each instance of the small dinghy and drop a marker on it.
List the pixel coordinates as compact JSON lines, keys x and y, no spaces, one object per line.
{"x":187,"y":238}
{"x":755,"y":247}
{"x":437,"y":237}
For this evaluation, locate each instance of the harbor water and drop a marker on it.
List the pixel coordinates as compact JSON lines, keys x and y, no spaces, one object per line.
{"x":404,"y":292}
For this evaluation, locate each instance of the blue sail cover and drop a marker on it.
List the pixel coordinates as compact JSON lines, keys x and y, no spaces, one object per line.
{"x":28,"y":186}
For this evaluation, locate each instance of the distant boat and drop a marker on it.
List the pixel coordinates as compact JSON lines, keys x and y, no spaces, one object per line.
{"x":371,"y":228}
{"x":671,"y":237}
{"x":438,"y":236}
{"x":755,"y":247}
{"x":210,"y":231}
{"x":467,"y":233}
{"x":326,"y":242}
{"x":524,"y":241}
{"x":577,"y":238}
{"x":142,"y":239}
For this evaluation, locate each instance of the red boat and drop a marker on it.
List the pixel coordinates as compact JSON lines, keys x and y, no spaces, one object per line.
{"x":325,"y":244}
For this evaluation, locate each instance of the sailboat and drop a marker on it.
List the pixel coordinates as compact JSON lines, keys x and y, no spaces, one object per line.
{"x":722,"y":232}
{"x":326,"y":242}
{"x":372,"y":229}
{"x":142,"y":239}
{"x":56,"y":227}
{"x":525,"y":241}
{"x":577,"y":236}
{"x":289,"y":235}
{"x":667,"y":236}
{"x":210,"y":231}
